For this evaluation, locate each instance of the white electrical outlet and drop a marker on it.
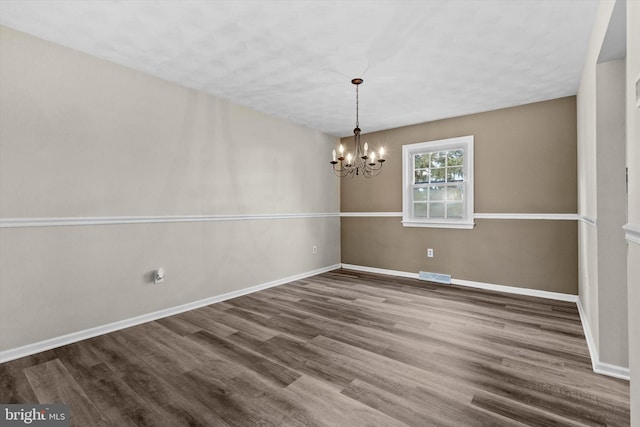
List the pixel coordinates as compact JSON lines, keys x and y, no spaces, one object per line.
{"x":158,"y":276}
{"x":430,"y":253}
{"x":314,"y":250}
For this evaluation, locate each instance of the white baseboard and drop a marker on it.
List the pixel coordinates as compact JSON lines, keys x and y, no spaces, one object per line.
{"x":559,"y":296}
{"x":29,"y":349}
{"x":380,"y":271}
{"x":612,"y":370}
{"x":591,"y":344}
{"x":479,"y":285}
{"x":597,"y":366}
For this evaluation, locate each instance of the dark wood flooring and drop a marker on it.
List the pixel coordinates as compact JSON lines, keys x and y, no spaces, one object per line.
{"x":339,"y":349}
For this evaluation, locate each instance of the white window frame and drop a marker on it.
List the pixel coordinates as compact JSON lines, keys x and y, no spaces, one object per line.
{"x":408,"y":152}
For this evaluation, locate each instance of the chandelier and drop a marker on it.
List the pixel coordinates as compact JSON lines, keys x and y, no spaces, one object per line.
{"x":360,"y":161}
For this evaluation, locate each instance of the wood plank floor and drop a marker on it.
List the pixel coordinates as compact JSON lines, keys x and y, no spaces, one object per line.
{"x":340,"y":349}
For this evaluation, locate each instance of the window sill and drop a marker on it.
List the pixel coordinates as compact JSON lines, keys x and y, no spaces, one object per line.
{"x":439,"y":224}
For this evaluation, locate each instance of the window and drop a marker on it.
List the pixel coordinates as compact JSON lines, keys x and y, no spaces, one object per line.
{"x":437,"y":179}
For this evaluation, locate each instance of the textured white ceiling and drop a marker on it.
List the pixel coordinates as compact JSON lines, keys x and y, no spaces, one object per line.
{"x":420,"y":60}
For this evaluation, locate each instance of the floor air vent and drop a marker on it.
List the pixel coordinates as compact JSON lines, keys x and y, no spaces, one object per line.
{"x":435,"y":277}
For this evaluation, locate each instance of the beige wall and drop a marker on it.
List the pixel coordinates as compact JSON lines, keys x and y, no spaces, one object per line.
{"x":525,"y":162}
{"x":633,"y":163}
{"x":81,"y":137}
{"x":520,"y":253}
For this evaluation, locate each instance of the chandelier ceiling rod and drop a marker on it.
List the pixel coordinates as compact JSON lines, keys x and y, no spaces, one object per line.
{"x":357,"y":82}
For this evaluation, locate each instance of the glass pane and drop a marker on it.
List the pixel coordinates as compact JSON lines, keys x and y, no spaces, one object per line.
{"x":438,"y":175}
{"x":454,"y":174}
{"x":454,"y":210}
{"x":438,"y":159}
{"x":421,"y":161}
{"x":436,"y":210}
{"x":420,"y":210}
{"x":436,"y":193}
{"x":455,"y":157}
{"x":421,"y":176}
{"x":419,"y":194}
{"x":454,"y":193}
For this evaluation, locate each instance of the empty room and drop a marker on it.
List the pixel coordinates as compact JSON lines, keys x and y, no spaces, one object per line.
{"x":320,"y":213}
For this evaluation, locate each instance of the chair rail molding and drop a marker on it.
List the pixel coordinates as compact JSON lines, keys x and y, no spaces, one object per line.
{"x":632,"y":233}
{"x":109,"y":220}
{"x":541,"y":216}
{"x":588,"y":220}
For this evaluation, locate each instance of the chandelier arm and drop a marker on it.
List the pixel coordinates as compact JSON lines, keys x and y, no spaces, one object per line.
{"x":378,"y":166}
{"x":342,"y":171}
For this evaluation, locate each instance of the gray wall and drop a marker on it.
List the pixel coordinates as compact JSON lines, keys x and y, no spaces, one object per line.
{"x":602,"y":246}
{"x":525,"y":162}
{"x":612,"y":213}
{"x":633,"y":209}
{"x":85,"y":138}
{"x":603,"y":120}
